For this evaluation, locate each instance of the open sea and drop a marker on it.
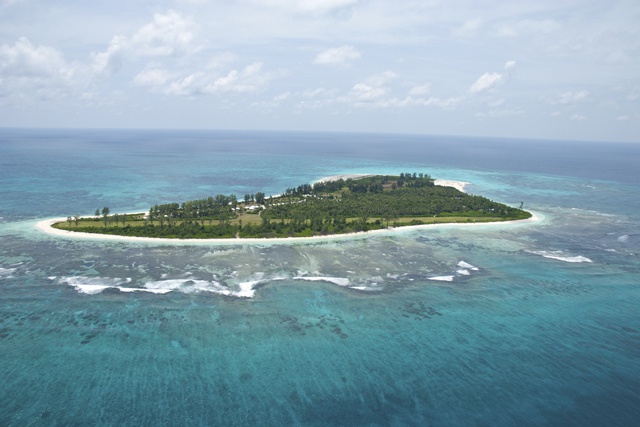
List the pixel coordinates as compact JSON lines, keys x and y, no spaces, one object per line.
{"x":496,"y":325}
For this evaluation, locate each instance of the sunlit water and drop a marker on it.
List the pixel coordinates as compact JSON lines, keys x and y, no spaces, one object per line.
{"x":529,"y":324}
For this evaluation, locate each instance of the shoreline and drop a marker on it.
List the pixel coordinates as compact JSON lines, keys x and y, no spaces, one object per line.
{"x":45,"y":226}
{"x":458,"y":185}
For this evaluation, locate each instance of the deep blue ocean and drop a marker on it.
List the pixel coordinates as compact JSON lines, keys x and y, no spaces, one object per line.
{"x":512,"y":324}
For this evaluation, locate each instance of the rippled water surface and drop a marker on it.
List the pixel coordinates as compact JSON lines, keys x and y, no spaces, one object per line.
{"x":531,"y":323}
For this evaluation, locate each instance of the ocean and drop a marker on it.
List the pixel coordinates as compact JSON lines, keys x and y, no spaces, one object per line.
{"x":511,"y":324}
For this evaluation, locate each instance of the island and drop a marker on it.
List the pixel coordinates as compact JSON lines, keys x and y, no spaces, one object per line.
{"x":328,"y":207}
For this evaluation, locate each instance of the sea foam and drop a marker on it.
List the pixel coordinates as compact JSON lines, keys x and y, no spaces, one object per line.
{"x":6,"y":272}
{"x":96,"y":285}
{"x":467,"y":266}
{"x":340,"y":281}
{"x":442,"y":278}
{"x":189,"y":286}
{"x":560,"y":256}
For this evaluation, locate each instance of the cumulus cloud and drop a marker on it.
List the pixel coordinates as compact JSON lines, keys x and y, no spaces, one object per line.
{"x":373,"y":89}
{"x":509,"y":65}
{"x":485,"y":82}
{"x":342,"y":56}
{"x":26,"y":60}
{"x":152,"y":77}
{"x":111,"y":60}
{"x":169,"y":34}
{"x":37,"y":71}
{"x":578,"y":117}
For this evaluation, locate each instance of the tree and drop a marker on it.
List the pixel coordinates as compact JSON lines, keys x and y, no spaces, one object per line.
{"x":105,"y":215}
{"x":76,"y":219}
{"x":259,"y":198}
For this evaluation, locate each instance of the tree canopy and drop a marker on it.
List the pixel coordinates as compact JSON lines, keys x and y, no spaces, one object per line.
{"x":331,"y":207}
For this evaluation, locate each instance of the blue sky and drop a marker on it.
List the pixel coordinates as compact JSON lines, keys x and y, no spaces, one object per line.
{"x":557,"y":69}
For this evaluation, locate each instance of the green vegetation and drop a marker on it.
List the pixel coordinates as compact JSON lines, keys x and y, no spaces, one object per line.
{"x":325,"y":208}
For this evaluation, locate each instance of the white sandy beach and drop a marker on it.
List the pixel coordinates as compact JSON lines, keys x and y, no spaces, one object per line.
{"x":45,"y":226}
{"x":458,"y":185}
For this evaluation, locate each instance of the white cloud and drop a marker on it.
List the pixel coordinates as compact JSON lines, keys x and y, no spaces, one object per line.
{"x":372,"y":90}
{"x":468,"y":28}
{"x":215,"y":49}
{"x":168,"y":34}
{"x":578,"y":117}
{"x":31,"y":72}
{"x":307,"y":6}
{"x":568,"y":98}
{"x":526,"y":27}
{"x":152,"y":77}
{"x":342,"y":56}
{"x":275,"y":102}
{"x":622,"y":118}
{"x":249,"y":79}
{"x":191,"y":85}
{"x":382,"y":78}
{"x":485,"y":82}
{"x":365,"y":93}
{"x":420,"y":90}
{"x":111,"y":60}
{"x":506,"y":112}
{"x":23,"y":59}
{"x":377,"y":92}
{"x":314,"y":93}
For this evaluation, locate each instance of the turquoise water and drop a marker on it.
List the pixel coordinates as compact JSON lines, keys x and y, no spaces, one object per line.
{"x":535,"y":324}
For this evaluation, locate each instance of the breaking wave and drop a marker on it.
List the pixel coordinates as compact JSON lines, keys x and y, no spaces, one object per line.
{"x":561,"y":256}
{"x":96,"y":285}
